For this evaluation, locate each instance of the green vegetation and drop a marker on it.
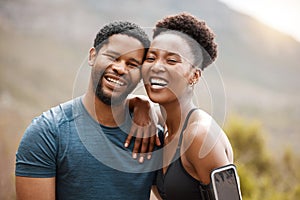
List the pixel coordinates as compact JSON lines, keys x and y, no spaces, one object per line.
{"x":263,"y":175}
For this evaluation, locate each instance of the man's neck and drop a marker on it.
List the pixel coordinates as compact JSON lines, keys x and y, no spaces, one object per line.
{"x":107,"y":115}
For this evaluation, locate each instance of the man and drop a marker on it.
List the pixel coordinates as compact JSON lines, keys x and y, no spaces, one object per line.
{"x":75,"y":150}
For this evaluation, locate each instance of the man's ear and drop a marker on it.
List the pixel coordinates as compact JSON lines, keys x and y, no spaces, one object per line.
{"x":92,"y":56}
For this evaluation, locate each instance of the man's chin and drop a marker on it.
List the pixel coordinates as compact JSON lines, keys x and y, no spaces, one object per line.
{"x":111,"y":100}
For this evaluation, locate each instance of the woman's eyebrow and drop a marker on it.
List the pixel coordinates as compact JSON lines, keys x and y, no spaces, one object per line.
{"x":173,"y":54}
{"x":170,"y":53}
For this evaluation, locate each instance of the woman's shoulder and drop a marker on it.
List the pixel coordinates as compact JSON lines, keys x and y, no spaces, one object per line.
{"x":197,"y":127}
{"x":203,"y":134}
{"x":202,"y":130}
{"x":200,"y":123}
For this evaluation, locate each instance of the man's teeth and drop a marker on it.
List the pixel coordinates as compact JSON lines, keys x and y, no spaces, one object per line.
{"x":115,"y":81}
{"x":156,"y":81}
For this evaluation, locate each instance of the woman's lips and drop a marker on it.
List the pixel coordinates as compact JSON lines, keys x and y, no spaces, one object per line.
{"x":158,"y":83}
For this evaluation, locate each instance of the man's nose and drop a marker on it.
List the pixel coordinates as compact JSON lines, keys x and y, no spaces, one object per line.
{"x":119,"y":68}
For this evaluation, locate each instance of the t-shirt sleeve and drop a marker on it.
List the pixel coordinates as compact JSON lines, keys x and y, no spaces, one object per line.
{"x":36,"y":155}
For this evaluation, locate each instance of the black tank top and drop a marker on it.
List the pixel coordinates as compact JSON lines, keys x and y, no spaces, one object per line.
{"x":177,"y":183}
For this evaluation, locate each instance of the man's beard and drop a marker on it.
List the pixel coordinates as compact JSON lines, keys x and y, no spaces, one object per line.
{"x":106,"y":99}
{"x":101,"y":95}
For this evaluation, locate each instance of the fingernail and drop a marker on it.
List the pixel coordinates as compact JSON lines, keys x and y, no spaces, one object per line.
{"x":134,"y":155}
{"x":141,"y":160}
{"x":149,"y":157}
{"x":126,"y":144}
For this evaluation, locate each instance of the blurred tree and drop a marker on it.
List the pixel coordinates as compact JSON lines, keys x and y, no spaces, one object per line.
{"x":262,"y":175}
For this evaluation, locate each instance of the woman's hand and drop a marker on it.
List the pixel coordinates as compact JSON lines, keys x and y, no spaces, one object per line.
{"x":143,"y":127}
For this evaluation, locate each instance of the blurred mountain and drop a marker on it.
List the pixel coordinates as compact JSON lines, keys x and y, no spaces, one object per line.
{"x":44,"y":44}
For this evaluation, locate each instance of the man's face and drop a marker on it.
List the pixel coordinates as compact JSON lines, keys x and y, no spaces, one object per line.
{"x":116,"y":68}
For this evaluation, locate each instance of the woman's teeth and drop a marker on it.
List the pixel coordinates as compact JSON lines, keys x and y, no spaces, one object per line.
{"x":158,"y":82}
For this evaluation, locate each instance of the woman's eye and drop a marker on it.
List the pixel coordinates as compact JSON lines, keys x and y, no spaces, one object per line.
{"x":150,"y":59}
{"x":172,"y":61}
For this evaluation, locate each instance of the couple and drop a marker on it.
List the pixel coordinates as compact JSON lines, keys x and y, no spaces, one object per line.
{"x":76,"y":150}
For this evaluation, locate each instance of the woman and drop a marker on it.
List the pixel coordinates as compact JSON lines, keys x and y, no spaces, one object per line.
{"x":194,"y":144}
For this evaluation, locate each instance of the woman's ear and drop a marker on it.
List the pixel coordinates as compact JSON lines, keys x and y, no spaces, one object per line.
{"x":195,"y":76}
{"x":92,"y":56}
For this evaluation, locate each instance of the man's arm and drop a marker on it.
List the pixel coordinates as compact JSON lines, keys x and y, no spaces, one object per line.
{"x":35,"y":188}
{"x":36,"y":160}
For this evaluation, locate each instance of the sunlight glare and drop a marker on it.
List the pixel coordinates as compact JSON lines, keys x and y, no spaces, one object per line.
{"x":284,"y":16}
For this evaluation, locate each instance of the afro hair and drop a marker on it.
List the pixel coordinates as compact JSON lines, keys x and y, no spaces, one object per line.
{"x":194,"y":28}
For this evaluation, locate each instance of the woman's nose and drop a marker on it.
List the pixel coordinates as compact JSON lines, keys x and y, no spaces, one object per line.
{"x":158,"y":67}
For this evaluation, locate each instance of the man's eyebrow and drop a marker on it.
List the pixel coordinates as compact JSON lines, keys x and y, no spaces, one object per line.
{"x":113,"y":52}
{"x":118,"y":55}
{"x":135,"y":60}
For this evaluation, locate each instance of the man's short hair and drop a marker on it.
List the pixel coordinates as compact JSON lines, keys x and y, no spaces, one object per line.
{"x":121,"y":27}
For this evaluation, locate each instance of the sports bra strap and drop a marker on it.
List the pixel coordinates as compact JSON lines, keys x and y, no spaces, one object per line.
{"x":185,"y":125}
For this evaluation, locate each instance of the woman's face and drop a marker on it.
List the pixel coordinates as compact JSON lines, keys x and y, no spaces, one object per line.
{"x":167,"y":70}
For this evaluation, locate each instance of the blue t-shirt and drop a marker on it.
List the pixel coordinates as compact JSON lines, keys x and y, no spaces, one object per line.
{"x":88,"y":159}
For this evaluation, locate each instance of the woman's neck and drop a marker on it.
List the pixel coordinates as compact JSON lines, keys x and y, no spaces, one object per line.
{"x":174,"y":114}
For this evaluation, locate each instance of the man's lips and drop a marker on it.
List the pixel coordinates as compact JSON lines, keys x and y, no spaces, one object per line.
{"x":115,"y":81}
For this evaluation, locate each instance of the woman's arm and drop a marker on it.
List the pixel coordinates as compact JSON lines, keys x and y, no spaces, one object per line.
{"x":154,"y":194}
{"x":145,"y":120}
{"x":205,"y":149}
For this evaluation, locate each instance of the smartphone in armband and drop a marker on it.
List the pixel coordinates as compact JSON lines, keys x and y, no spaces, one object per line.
{"x":225,"y":183}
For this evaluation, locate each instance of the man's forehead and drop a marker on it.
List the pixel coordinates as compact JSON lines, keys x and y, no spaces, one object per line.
{"x":125,"y":43}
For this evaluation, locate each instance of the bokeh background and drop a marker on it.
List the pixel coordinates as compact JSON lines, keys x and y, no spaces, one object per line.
{"x":43,"y":45}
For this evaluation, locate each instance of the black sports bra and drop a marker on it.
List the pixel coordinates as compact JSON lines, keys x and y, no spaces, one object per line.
{"x":177,"y":183}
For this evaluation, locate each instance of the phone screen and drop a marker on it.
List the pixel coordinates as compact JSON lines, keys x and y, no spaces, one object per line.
{"x":225,"y":184}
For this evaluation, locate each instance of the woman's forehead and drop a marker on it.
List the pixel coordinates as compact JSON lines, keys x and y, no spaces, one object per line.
{"x":173,"y":43}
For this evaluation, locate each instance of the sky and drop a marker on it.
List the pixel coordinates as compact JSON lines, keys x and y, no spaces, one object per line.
{"x":283,"y":15}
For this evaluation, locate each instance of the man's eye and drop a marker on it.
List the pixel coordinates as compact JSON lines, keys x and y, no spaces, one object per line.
{"x":133,"y":65}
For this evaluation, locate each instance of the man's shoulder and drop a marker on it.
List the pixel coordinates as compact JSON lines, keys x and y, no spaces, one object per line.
{"x":53,"y":123}
{"x":59,"y":114}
